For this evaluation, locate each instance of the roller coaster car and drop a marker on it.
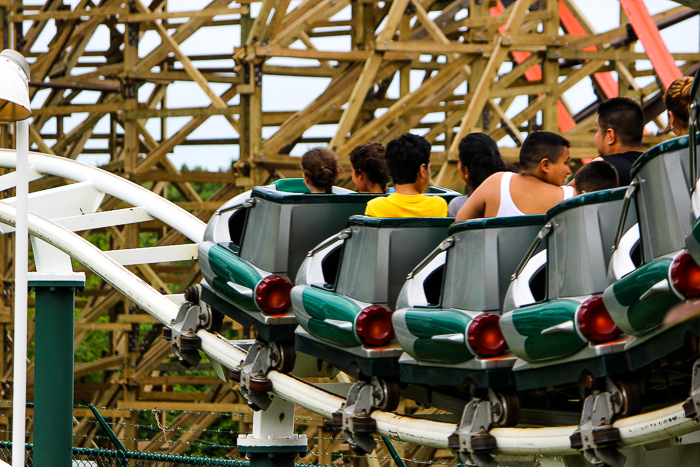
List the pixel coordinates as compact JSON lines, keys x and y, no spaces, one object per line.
{"x":255,"y":243}
{"x":554,"y":321}
{"x":344,"y":311}
{"x":447,"y":321}
{"x":572,"y":337}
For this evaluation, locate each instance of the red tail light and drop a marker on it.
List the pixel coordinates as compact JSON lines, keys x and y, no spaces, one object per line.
{"x":272,"y":295}
{"x":485,"y":336}
{"x":595,"y":322}
{"x":374,"y":326}
{"x":685,"y":274}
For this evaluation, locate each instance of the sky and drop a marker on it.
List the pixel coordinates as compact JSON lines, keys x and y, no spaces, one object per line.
{"x":602,"y":14}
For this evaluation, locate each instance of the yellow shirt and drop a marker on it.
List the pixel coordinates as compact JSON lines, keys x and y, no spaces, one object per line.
{"x":398,"y":205}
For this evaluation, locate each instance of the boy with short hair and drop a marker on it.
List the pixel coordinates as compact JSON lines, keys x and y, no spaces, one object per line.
{"x":595,"y":176}
{"x":408,"y":159}
{"x":544,"y":161}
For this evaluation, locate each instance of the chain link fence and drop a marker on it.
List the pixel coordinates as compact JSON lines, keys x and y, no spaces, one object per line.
{"x":85,"y":457}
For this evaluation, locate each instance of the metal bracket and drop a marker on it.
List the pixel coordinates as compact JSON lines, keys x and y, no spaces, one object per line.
{"x":596,"y":437}
{"x":182,"y":332}
{"x":691,"y":407}
{"x":251,"y":374}
{"x":354,"y":417}
{"x":472,"y":438}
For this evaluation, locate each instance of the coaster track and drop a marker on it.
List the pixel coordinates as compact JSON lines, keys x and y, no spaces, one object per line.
{"x":638,"y":430}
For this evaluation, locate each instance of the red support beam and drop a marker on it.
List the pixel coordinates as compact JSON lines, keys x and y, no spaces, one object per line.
{"x":654,"y":46}
{"x":570,"y":24}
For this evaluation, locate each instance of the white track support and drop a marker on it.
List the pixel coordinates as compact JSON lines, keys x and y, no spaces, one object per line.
{"x":111,"y":184}
{"x":159,"y":254}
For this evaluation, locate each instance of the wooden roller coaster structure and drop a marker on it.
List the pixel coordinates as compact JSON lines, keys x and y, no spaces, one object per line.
{"x":101,"y":72}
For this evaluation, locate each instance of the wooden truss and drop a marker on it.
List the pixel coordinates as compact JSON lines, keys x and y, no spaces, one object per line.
{"x":378,"y":69}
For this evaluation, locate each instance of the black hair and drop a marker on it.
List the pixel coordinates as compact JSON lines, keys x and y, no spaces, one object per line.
{"x":596,"y":175}
{"x":321,"y":168}
{"x":479,"y":153}
{"x":404,"y":157}
{"x":369,"y":159}
{"x":541,"y":145}
{"x":625,"y":117}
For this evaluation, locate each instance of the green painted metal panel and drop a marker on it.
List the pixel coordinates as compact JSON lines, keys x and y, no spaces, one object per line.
{"x":228,"y":267}
{"x":53,"y":388}
{"x":497,"y":223}
{"x":587,"y":199}
{"x":241,"y":301}
{"x":532,"y":320}
{"x":324,"y":305}
{"x":629,"y":289}
{"x":323,"y":330}
{"x":425,"y":324}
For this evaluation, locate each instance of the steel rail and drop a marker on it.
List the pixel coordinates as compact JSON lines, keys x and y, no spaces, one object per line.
{"x":136,"y":195}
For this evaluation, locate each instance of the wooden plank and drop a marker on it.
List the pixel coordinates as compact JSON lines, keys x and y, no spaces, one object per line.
{"x":186,"y":407}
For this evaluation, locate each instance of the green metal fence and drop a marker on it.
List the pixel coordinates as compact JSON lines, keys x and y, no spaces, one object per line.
{"x":84,"y":457}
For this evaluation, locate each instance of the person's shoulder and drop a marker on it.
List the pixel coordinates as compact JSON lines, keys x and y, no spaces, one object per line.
{"x":378,"y":200}
{"x":437,"y":200}
{"x":458,"y":201}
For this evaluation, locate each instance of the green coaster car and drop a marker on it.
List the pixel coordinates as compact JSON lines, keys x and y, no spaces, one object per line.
{"x":255,"y":243}
{"x":665,"y":274}
{"x":554,"y":321}
{"x":347,"y":288}
{"x":448,"y":328}
{"x":578,"y":337}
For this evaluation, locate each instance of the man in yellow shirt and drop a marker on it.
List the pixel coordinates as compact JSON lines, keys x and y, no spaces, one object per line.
{"x":408,"y":159}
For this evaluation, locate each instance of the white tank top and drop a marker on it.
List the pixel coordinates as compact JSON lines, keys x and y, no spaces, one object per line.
{"x":507,"y":207}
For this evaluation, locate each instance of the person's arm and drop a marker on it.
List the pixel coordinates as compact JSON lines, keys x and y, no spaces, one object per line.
{"x":474,"y":208}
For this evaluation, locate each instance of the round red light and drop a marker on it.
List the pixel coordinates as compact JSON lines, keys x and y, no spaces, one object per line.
{"x":685,"y":274}
{"x":373,"y":325}
{"x":273,"y":295}
{"x":595,"y":322}
{"x":485,"y":336}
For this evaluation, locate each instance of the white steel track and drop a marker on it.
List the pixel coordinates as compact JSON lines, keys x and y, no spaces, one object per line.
{"x":642,"y":429}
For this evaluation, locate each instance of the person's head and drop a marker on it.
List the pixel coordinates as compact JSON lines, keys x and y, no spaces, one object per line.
{"x":369,"y":171}
{"x":678,"y":100}
{"x":594,"y":176}
{"x":619,"y":127}
{"x":408,"y":159}
{"x":479,"y":158}
{"x":320,"y":170}
{"x":546,"y":156}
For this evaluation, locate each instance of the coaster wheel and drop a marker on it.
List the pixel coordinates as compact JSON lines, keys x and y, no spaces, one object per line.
{"x":286,"y":357}
{"x":510,"y":409}
{"x":216,"y":319}
{"x":260,"y":385}
{"x":631,"y":398}
{"x":391,"y":395}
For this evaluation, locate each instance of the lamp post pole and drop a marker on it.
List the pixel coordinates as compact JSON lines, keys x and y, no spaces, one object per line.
{"x":15,"y":107}
{"x":19,"y":393}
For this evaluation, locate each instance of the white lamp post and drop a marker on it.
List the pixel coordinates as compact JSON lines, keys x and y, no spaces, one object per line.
{"x":15,"y":107}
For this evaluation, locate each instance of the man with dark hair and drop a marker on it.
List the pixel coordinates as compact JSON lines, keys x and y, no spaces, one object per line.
{"x":619,"y":133}
{"x":544,"y":161}
{"x":595,"y":176}
{"x":408,"y":159}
